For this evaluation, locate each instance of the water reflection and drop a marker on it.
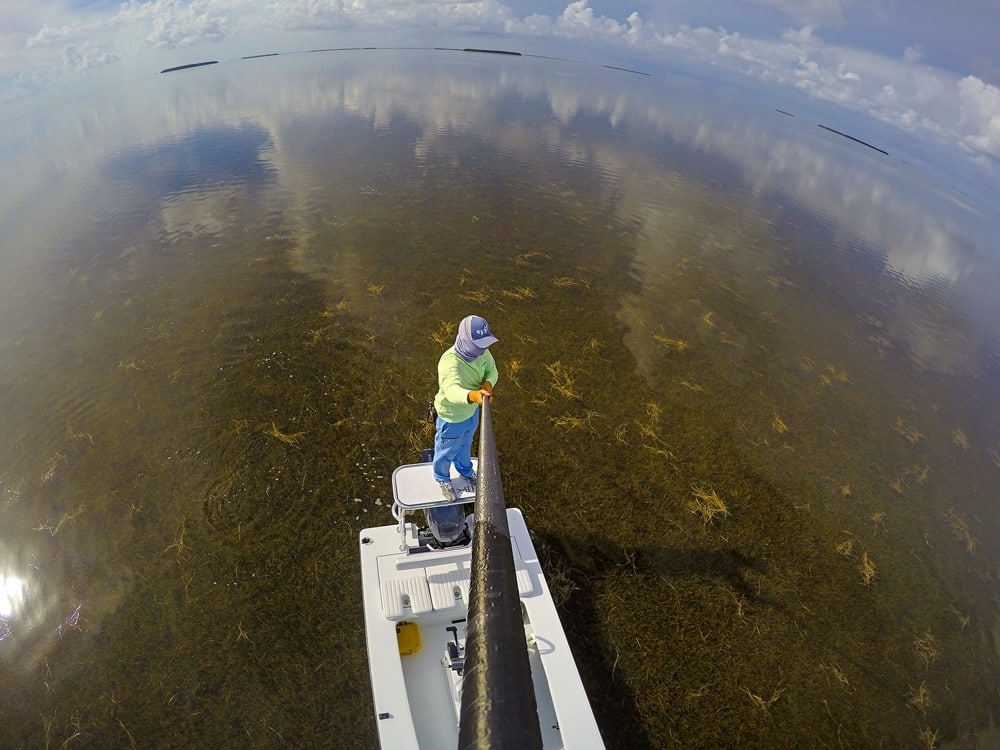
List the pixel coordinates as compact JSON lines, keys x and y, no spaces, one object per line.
{"x":882,"y":206}
{"x":214,"y":285}
{"x":34,"y":601}
{"x":11,"y":596}
{"x":879,"y":203}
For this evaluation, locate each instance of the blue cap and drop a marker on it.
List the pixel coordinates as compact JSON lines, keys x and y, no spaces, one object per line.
{"x":479,"y":331}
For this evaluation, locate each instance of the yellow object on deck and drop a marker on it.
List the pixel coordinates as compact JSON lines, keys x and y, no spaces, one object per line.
{"x":408,"y":638}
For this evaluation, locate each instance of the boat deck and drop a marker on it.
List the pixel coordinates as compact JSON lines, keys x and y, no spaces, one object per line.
{"x":418,"y":695}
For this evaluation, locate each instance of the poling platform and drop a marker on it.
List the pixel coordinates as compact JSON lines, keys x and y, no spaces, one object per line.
{"x":414,"y":486}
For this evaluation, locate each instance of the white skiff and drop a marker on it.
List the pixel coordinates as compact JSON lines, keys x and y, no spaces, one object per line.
{"x":416,"y":596}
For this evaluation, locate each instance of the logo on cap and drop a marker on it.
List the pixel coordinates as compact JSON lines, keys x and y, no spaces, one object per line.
{"x":479,"y":332}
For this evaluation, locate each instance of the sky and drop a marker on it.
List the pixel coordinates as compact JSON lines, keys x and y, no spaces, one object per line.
{"x":922,"y":67}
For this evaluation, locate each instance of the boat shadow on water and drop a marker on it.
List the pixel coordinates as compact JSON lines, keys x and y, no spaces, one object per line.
{"x":571,"y":571}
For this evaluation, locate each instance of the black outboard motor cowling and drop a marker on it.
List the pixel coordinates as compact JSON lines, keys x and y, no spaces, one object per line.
{"x":447,"y":524}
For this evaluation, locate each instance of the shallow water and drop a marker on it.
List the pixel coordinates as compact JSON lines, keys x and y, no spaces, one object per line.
{"x":224,"y":292}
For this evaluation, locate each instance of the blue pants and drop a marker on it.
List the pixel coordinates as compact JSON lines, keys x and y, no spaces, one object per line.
{"x":453,"y":445}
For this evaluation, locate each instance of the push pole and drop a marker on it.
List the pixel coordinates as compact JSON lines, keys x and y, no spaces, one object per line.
{"x":498,"y":696}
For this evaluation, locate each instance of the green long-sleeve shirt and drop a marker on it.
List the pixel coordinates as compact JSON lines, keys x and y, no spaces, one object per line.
{"x":456,"y":378}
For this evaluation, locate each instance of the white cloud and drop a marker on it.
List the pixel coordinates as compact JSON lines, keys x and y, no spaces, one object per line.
{"x":332,"y":15}
{"x":980,"y":113}
{"x":579,"y":21}
{"x":811,"y":12}
{"x":913,"y":54}
{"x":903,"y":92}
{"x":49,"y":34}
{"x":297,"y":16}
{"x":801,"y":36}
{"x":87,"y":57}
{"x":578,"y":15}
{"x":180,"y":23}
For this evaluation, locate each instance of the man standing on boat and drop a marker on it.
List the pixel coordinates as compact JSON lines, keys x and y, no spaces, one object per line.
{"x":466,"y":373}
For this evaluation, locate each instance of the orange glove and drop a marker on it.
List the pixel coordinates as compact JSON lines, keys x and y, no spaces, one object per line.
{"x":477,"y":396}
{"x":487,"y":386}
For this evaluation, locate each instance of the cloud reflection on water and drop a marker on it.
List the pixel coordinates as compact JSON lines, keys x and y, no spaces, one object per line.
{"x":923,"y":231}
{"x":444,"y":93}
